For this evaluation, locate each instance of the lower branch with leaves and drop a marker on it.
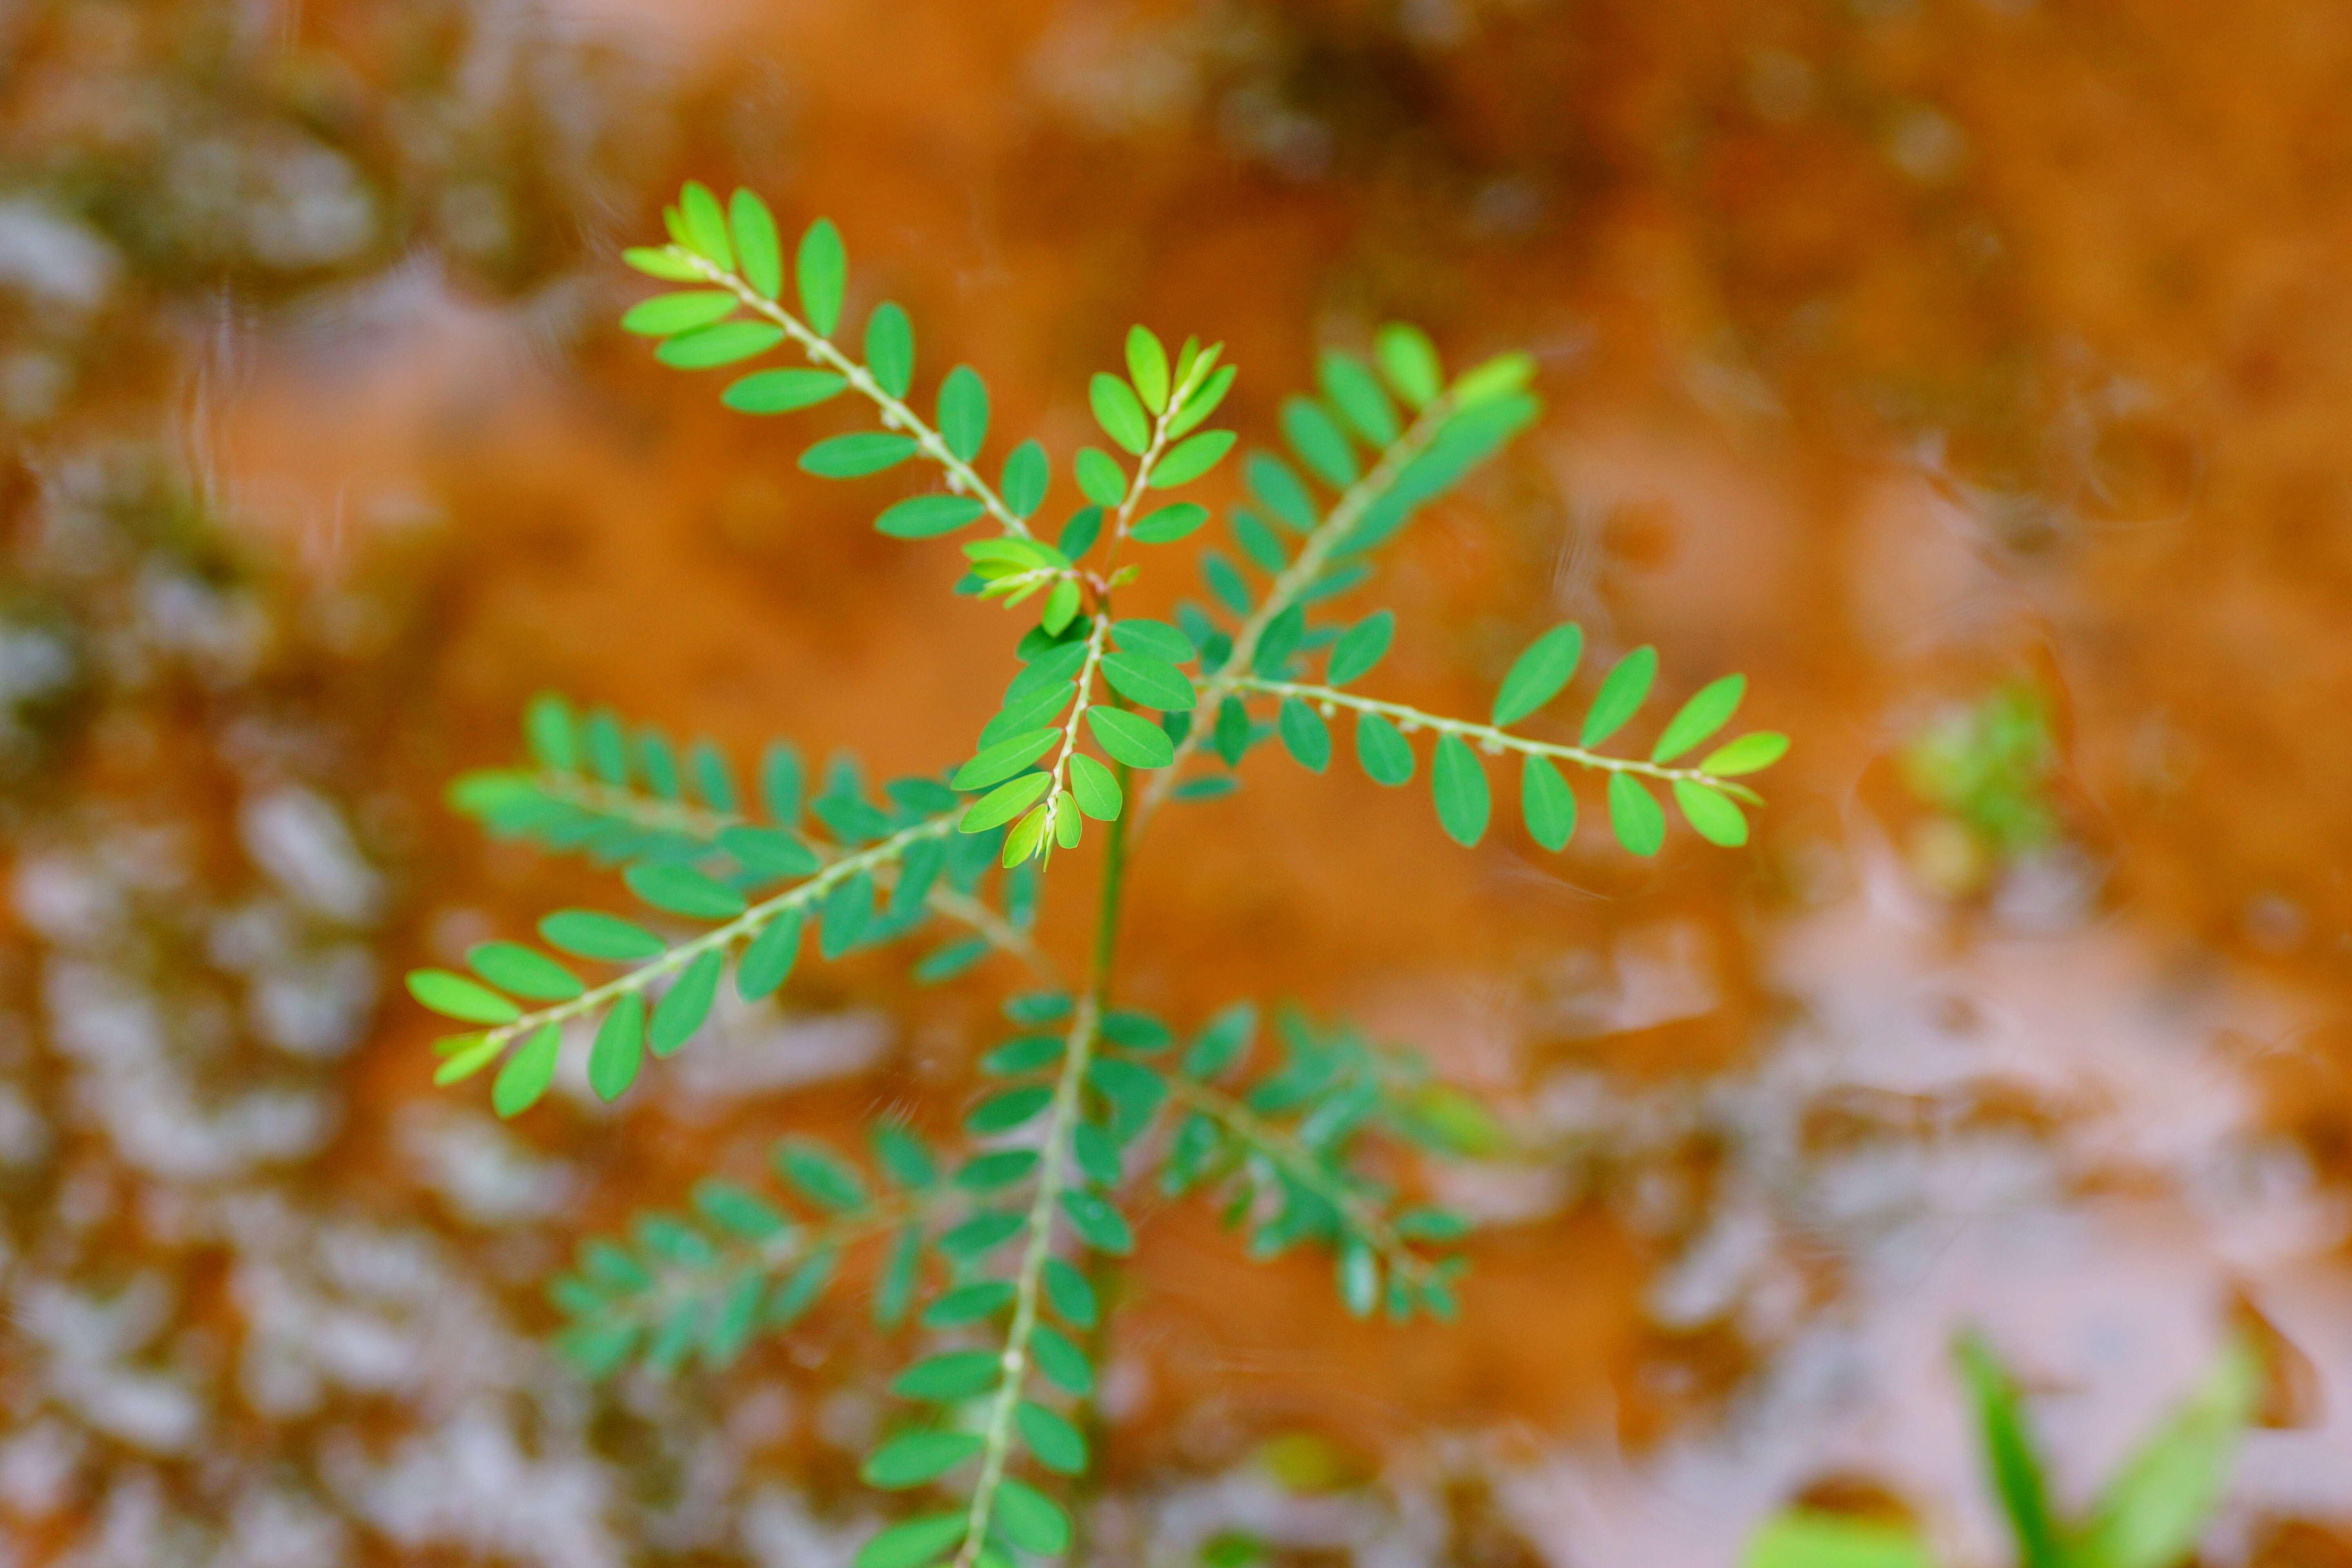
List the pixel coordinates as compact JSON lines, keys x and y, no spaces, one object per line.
{"x":982,"y":1232}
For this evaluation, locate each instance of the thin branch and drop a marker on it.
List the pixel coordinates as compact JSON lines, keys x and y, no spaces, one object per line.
{"x":1295,"y":580}
{"x":963,"y":478}
{"x":1052,"y":1176}
{"x":1489,"y":737}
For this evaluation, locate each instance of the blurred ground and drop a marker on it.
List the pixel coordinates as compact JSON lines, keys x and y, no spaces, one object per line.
{"x":1896,"y":353}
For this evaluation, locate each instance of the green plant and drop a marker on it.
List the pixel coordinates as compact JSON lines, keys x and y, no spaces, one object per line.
{"x":977,"y":1249}
{"x":1986,"y":769}
{"x":2150,"y":1514}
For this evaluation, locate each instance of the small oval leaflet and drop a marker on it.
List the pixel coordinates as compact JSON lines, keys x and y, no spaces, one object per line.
{"x":1279,"y":489}
{"x":1750,"y":753}
{"x":1319,"y":442}
{"x":821,"y":270}
{"x":768,"y":853}
{"x":1410,"y":362}
{"x":1360,"y":647}
{"x":1057,"y":1445}
{"x":926,"y":517}
{"x":890,"y":348}
{"x":1003,"y":1112}
{"x":955,"y":1374}
{"x":686,"y":1004}
{"x":528,"y":1072}
{"x":1709,"y":710}
{"x":1634,"y":815}
{"x":706,"y":224}
{"x":1150,"y":680}
{"x":1546,"y":803}
{"x":857,"y":454}
{"x":1022,"y":483}
{"x":1169,"y":523}
{"x":619,"y":1051}
{"x":1711,"y":814}
{"x":757,"y":248}
{"x":1031,"y":1520}
{"x":1094,"y":787}
{"x":1304,"y":735}
{"x":1071,"y":1295}
{"x":588,"y":934}
{"x":963,"y":412}
{"x":1538,"y":675}
{"x":1120,"y":415}
{"x":683,"y":890}
{"x":1192,"y":458}
{"x":455,"y":996}
{"x":1004,"y":802}
{"x":767,"y":963}
{"x":1100,"y":479}
{"x":1355,"y":392}
{"x":1147,"y":366}
{"x":666,"y":315}
{"x":781,"y":391}
{"x":914,"y":1458}
{"x":913,"y":1544}
{"x":1459,"y":786}
{"x":1155,"y":638}
{"x":999,"y":762}
{"x":510,"y":966}
{"x":1620,"y":697}
{"x":727,"y":343}
{"x":1138,"y":742}
{"x":1385,"y":755}
{"x":1098,"y":1224}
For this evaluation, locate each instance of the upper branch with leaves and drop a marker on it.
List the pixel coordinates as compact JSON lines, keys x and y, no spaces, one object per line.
{"x":1312,"y":1138}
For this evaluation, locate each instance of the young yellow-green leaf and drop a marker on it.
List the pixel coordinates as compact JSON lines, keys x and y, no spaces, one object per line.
{"x":1709,"y":709}
{"x":1620,"y":697}
{"x":1634,"y":815}
{"x":1546,"y":803}
{"x":705,"y":225}
{"x":1121,"y":417}
{"x":858,"y":454}
{"x":823,"y":270}
{"x":1167,"y":524}
{"x":686,"y":1004}
{"x":1319,"y":442}
{"x":1499,"y":376}
{"x":1385,"y":755}
{"x":999,"y":762}
{"x":1807,"y":1538}
{"x":470,"y":1055}
{"x":963,"y":412}
{"x":1031,"y":1520}
{"x":528,"y":1072}
{"x":781,"y":391}
{"x":1150,"y":680}
{"x":1752,"y":753}
{"x":1459,"y":786}
{"x":1410,"y":362}
{"x":1094,"y":787}
{"x":586,"y":933}
{"x":455,"y":996}
{"x":1004,"y":802}
{"x":913,"y":1458}
{"x":2156,"y":1506}
{"x":1360,"y":647}
{"x":1538,"y":675}
{"x":513,"y":967}
{"x":1192,"y":458}
{"x":1057,"y":1445}
{"x":1202,"y":403}
{"x":768,"y":962}
{"x":1303,"y":735}
{"x":1028,"y":836}
{"x":1355,"y":392}
{"x":1022,"y":484}
{"x":757,"y":250}
{"x":666,"y":315}
{"x":1138,"y":742}
{"x":727,"y":343}
{"x":890,"y":349}
{"x":683,"y":890}
{"x":660,"y":261}
{"x":1100,"y":479}
{"x":917,"y":1543}
{"x":1061,"y":606}
{"x":619,"y":1051}
{"x":1711,"y":813}
{"x":1147,"y":366}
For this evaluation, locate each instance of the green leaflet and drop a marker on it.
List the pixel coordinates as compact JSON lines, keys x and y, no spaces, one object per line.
{"x":587,"y":934}
{"x":1098,"y":1224}
{"x":768,"y":962}
{"x":890,"y":349}
{"x":1257,"y":541}
{"x":1004,"y":802}
{"x":619,"y":1051}
{"x":1094,"y":787}
{"x":1357,"y":396}
{"x":665,"y":315}
{"x":895,"y":1290}
{"x":1708,"y":711}
{"x":1079,"y":533}
{"x":1021,"y":485}
{"x":455,"y":996}
{"x":1319,"y":443}
{"x":1119,"y":413}
{"x":1409,"y":362}
{"x":963,"y":412}
{"x":1540,"y":673}
{"x":1155,"y":638}
{"x":662,"y":263}
{"x":1546,"y":803}
{"x":914,"y":1458}
{"x":914,"y":1544}
{"x":1138,"y":742}
{"x":1031,"y":1520}
{"x":1303,"y":735}
{"x":1169,"y":523}
{"x":1057,"y":1445}
{"x":686,"y":1004}
{"x":513,"y":967}
{"x":823,"y":270}
{"x":1147,"y":366}
{"x":1807,"y":1538}
{"x":1458,"y":784}
{"x":1360,"y":647}
{"x":994,"y":764}
{"x":1634,"y":815}
{"x":820,"y":1175}
{"x":1192,"y":458}
{"x":857,"y":454}
{"x":1749,"y":754}
{"x":969,"y":1304}
{"x":1385,"y":755}
{"x":1711,"y":814}
{"x":1067,"y":1292}
{"x":782,"y":391}
{"x":1003,"y":1112}
{"x":683,"y":890}
{"x":726,"y":343}
{"x":1149,"y":679}
{"x":1062,"y":1362}
{"x":1620,"y":697}
{"x":1279,"y":490}
{"x":757,"y":250}
{"x":528,"y":1072}
{"x":705,"y":225}
{"x":1204,"y":402}
{"x":1100,"y":479}
{"x":768,"y":853}
{"x":848,"y":911}
{"x":949,"y":1376}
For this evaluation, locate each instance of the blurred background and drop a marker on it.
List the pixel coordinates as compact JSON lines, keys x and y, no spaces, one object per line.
{"x":1970,"y":373}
